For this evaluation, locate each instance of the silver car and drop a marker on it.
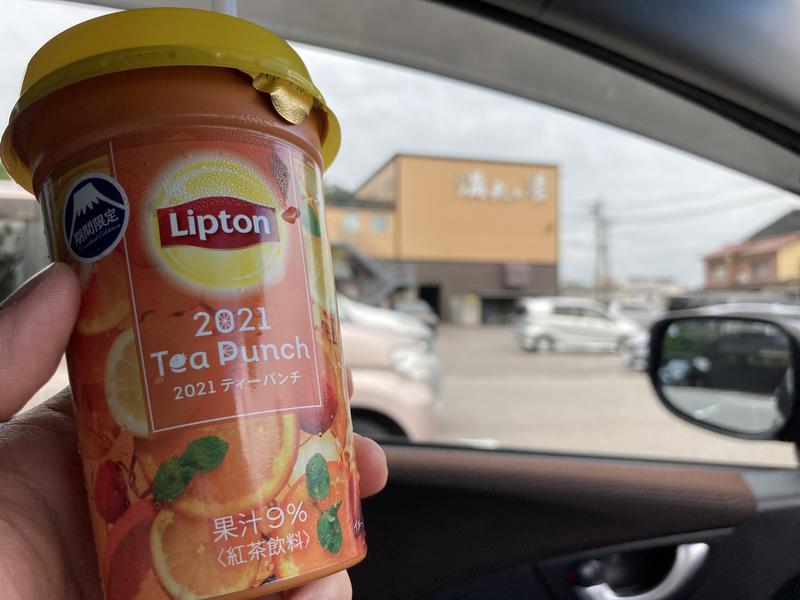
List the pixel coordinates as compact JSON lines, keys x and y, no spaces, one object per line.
{"x":548,"y":324}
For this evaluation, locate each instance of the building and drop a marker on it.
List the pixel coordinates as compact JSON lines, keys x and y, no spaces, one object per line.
{"x":768,"y":260}
{"x":652,"y":291}
{"x":467,"y":234}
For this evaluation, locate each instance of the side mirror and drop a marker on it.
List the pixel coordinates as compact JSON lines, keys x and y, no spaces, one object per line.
{"x":733,"y":375}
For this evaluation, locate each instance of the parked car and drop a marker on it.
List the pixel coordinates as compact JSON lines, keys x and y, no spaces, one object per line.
{"x":636,"y":350}
{"x":383,"y":318}
{"x":419,"y":309}
{"x":395,"y":383}
{"x":548,"y":324}
{"x":741,"y":356}
{"x":747,"y":361}
{"x":703,"y":298}
{"x":636,"y":312}
{"x":731,"y":371}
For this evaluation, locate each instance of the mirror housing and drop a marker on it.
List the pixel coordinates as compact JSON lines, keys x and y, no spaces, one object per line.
{"x":735,"y":374}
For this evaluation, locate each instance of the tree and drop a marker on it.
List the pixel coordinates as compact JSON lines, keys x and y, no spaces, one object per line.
{"x":336,"y":196}
{"x":3,"y":172}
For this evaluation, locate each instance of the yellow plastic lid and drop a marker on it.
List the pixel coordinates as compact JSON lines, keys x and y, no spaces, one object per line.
{"x":161,"y":37}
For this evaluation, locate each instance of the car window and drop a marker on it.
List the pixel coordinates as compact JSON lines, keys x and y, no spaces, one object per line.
{"x":473,"y":201}
{"x":530,"y":201}
{"x":593,"y":314}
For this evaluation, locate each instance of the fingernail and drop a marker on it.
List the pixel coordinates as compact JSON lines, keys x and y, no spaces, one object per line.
{"x":26,"y":288}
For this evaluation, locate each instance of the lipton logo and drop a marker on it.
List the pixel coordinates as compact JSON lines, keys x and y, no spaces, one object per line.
{"x":217,"y":222}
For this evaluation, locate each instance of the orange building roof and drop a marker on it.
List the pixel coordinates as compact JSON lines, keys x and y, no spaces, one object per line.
{"x":752,"y":247}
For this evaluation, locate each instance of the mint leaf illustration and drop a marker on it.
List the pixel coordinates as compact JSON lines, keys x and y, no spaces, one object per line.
{"x":204,"y":454}
{"x":170,"y":481}
{"x":310,"y":219}
{"x":329,"y":529}
{"x":318,"y":480}
{"x":175,"y":473}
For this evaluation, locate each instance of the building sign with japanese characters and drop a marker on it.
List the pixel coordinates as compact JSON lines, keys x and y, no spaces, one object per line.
{"x":475,"y":184}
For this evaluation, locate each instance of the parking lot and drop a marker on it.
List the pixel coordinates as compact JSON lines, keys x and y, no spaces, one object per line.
{"x":583,"y":403}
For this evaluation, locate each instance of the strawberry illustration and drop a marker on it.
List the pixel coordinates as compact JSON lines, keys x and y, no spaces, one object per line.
{"x":110,"y":491}
{"x":319,"y":420}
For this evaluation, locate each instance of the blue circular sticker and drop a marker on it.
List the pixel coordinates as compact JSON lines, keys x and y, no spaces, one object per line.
{"x":95,"y":217}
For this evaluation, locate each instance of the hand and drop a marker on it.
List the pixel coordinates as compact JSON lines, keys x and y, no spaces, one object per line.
{"x":46,"y":543}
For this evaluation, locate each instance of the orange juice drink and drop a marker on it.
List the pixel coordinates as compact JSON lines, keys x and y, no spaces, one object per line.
{"x":177,"y":158}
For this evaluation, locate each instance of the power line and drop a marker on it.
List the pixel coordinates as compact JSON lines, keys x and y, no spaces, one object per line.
{"x":659,"y":220}
{"x":663,"y":205}
{"x":671,"y":199}
{"x":672,"y":215}
{"x":697,"y":202}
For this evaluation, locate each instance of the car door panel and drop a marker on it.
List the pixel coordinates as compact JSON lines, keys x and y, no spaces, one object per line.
{"x":570,"y":325}
{"x":556,"y":324}
{"x":594,"y":330}
{"x":453,"y":516}
{"x":603,"y":330}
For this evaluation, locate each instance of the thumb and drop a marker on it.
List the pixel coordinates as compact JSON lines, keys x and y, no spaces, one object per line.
{"x":332,"y":587}
{"x":35,"y":324}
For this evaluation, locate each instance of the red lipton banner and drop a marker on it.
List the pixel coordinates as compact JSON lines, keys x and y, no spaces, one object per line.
{"x":218,"y":222}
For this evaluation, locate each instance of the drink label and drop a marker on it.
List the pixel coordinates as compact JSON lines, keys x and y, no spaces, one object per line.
{"x":222,"y":233}
{"x":206,"y":363}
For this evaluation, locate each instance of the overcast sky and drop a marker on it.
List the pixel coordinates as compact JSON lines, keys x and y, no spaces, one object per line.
{"x":385,"y":109}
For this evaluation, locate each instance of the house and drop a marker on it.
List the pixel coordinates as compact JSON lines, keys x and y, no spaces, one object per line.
{"x":768,"y":260}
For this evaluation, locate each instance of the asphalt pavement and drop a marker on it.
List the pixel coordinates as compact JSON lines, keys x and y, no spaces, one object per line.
{"x":586,"y":403}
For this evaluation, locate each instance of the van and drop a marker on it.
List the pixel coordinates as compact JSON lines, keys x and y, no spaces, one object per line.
{"x":549,"y":324}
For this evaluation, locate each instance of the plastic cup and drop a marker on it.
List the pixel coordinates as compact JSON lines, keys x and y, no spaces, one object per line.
{"x":177,"y":157}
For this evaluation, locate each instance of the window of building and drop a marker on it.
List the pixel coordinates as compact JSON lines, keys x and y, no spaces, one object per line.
{"x":351,"y":222}
{"x":379,"y":223}
{"x":719,"y":272}
{"x":760,"y":269}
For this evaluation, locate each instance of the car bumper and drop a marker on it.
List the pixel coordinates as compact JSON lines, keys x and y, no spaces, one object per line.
{"x":414,"y":405}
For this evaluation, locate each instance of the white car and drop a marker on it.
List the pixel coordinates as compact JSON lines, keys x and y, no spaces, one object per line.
{"x":548,"y":324}
{"x":635,"y":352}
{"x":383,"y":318}
{"x":395,"y":383}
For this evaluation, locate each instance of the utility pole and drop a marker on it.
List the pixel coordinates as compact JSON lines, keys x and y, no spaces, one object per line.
{"x":602,"y":276}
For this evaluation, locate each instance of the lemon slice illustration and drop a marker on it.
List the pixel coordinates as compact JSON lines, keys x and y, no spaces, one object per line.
{"x":123,"y":386}
{"x":188,"y":566}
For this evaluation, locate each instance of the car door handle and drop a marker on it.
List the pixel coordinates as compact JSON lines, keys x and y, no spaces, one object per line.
{"x":688,"y":560}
